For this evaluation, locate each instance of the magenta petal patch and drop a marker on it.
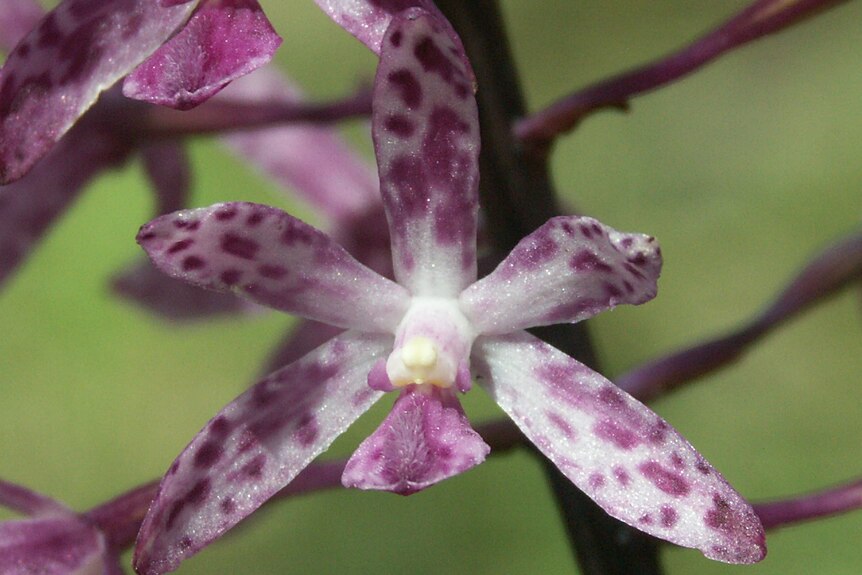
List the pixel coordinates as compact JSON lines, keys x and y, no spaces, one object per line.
{"x":59,"y":69}
{"x":255,"y":446}
{"x":27,"y":501}
{"x":629,"y":460}
{"x":569,"y":269}
{"x":59,"y":545}
{"x":426,"y":438}
{"x":425,"y":127}
{"x":223,"y":40}
{"x":16,"y":19}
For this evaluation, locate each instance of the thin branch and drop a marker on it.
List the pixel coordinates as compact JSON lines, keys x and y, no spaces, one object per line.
{"x":838,"y":266}
{"x":759,"y":19}
{"x":832,"y":501}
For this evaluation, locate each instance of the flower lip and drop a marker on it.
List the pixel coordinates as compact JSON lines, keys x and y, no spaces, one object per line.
{"x":431,"y":343}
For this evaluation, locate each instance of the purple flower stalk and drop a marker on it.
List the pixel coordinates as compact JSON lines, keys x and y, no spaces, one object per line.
{"x":427,"y":336}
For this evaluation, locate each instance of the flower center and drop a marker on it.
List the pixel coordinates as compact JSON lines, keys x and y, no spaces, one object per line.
{"x":432,"y":346}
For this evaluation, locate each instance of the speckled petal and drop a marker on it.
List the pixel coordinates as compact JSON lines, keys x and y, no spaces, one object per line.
{"x":51,"y":546}
{"x":30,"y":206}
{"x":312,"y":161}
{"x":426,"y":136}
{"x":368,"y":20}
{"x":426,"y":438}
{"x":628,"y":459}
{"x":16,"y":19}
{"x":569,"y":269}
{"x":19,"y":498}
{"x":59,"y":69}
{"x":274,"y":259}
{"x":223,"y":40}
{"x":256,"y":446}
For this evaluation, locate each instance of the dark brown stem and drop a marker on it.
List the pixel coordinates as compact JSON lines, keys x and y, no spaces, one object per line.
{"x":517,"y":197}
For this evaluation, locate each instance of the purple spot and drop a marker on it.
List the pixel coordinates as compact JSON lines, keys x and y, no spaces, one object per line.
{"x":612,"y":291}
{"x":561,"y":424}
{"x":199,"y":492}
{"x":254,"y":219}
{"x":193,"y":263}
{"x":239,"y":246}
{"x":702,"y":466}
{"x":585,"y":229}
{"x":296,"y":233}
{"x":646,"y":519}
{"x":49,"y":32}
{"x":272,"y":272}
{"x":568,"y":229}
{"x":408,"y":87}
{"x":622,"y":476}
{"x":611,"y":431}
{"x":175,"y":466}
{"x":230,"y":277}
{"x":676,"y":460}
{"x":23,"y":49}
{"x":254,"y":468}
{"x":658,"y":432}
{"x":399,"y":126}
{"x":669,"y":516}
{"x":639,"y":259}
{"x":208,"y":454}
{"x":144,"y":237}
{"x":633,"y":270}
{"x":433,"y":60}
{"x":629,"y":287}
{"x":307,"y":430}
{"x":720,"y":517}
{"x":267,"y":426}
{"x":220,"y":427}
{"x":665,"y":479}
{"x":597,"y":480}
{"x":228,"y":506}
{"x":587,"y":261}
{"x":180,"y":245}
{"x":396,"y":38}
{"x":612,"y":396}
{"x":627,"y":242}
{"x":185,"y":542}
{"x":597,"y":229}
{"x":225,"y":214}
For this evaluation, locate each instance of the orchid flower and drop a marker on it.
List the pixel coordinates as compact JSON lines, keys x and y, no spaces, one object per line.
{"x":54,"y":540}
{"x":425,"y":336}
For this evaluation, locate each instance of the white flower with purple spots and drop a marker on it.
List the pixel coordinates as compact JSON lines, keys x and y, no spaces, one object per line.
{"x":427,"y":336}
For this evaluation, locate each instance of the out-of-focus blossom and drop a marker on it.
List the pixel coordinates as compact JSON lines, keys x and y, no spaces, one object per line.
{"x":426,"y":336}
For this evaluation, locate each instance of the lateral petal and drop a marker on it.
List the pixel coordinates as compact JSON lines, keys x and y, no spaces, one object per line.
{"x":16,"y":19}
{"x":274,"y":259}
{"x":425,"y":127}
{"x":625,"y":457}
{"x":569,"y":269}
{"x":255,"y":446}
{"x":223,"y":40}
{"x":57,"y":545}
{"x":59,"y":69}
{"x":426,"y":438}
{"x":19,"y":498}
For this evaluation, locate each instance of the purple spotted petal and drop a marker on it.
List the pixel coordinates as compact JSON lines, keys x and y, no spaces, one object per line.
{"x":256,"y":446}
{"x":628,"y":459}
{"x":368,"y":20}
{"x":29,"y":206}
{"x":426,"y":438}
{"x":313,"y":161}
{"x":223,"y":40}
{"x":174,"y":299}
{"x":28,"y":502}
{"x":426,"y":136}
{"x":569,"y":269}
{"x":59,"y":69}
{"x":51,"y":546}
{"x":16,"y":19}
{"x":274,"y":259}
{"x":167,"y":166}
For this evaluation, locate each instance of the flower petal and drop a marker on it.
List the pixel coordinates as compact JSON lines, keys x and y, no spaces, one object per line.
{"x":256,"y":446}
{"x":368,"y":20}
{"x":426,"y":137}
{"x":174,"y":299}
{"x":54,"y":74}
{"x":312,"y":161}
{"x":304,"y":337}
{"x":569,"y":269}
{"x":29,"y":206}
{"x":223,"y":40}
{"x":426,"y":438}
{"x":272,"y":258}
{"x":19,"y":498}
{"x":16,"y":19}
{"x":628,"y":459}
{"x":50,"y":546}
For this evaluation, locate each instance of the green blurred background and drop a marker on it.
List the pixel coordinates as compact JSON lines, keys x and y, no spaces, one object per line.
{"x":742,"y":171}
